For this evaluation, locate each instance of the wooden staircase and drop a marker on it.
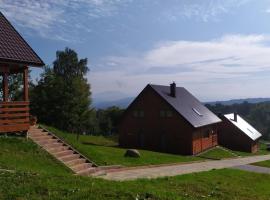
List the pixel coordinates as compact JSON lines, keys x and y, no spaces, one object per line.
{"x":62,"y":151}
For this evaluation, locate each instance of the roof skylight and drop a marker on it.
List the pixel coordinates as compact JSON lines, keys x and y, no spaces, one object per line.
{"x":250,"y":130}
{"x":197,"y":112}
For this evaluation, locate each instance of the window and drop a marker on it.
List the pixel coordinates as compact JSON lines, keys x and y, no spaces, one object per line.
{"x":135,"y":113}
{"x":250,"y":130}
{"x":197,"y":112}
{"x":141,"y":113}
{"x":138,"y":113}
{"x":169,"y":113}
{"x":206,"y":133}
{"x":165,"y":113}
{"x":162,"y":113}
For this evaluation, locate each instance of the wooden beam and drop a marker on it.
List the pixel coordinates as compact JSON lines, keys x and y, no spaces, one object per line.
{"x":5,"y":86}
{"x":4,"y":69}
{"x":25,"y":84}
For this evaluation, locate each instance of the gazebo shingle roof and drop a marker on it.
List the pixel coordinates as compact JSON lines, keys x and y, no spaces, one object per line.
{"x":13,"y":48}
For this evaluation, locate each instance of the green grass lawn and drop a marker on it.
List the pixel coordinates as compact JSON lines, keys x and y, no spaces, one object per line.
{"x":263,"y":163}
{"x":217,"y":153}
{"x":21,"y":154}
{"x":104,"y":151}
{"x":39,"y":176}
{"x":262,"y":151}
{"x":216,"y":184}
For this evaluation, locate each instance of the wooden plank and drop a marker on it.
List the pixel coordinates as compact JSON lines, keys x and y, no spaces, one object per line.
{"x":19,"y":109}
{"x":14,"y":128}
{"x":14,"y":103}
{"x":11,"y":115}
{"x":14,"y":121}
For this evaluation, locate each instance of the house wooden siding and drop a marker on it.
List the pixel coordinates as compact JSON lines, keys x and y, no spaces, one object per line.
{"x":165,"y":134}
{"x":233,"y":138}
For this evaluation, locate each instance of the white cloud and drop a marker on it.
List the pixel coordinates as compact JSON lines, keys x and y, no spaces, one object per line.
{"x":203,"y":10}
{"x":226,"y":67}
{"x":55,"y":19}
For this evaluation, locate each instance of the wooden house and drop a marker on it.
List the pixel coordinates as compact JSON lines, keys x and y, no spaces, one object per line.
{"x":237,"y":134}
{"x":168,"y":119}
{"x":15,"y":57}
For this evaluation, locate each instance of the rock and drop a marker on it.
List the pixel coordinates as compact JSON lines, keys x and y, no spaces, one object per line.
{"x":132,"y":153}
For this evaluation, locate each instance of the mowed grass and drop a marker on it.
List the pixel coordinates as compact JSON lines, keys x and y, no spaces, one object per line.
{"x":217,"y":153}
{"x":216,"y":184}
{"x":104,"y":151}
{"x":20,"y":154}
{"x":39,"y":176}
{"x":263,"y":163}
{"x":262,"y":151}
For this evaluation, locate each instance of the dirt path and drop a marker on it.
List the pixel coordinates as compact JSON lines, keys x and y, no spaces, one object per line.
{"x":173,"y":170}
{"x":253,"y":168}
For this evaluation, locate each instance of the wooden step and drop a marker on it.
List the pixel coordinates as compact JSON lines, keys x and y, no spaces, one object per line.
{"x":69,"y":157}
{"x":41,"y":137}
{"x":75,"y":162}
{"x":52,"y":145}
{"x":63,"y":153}
{"x":80,"y":167}
{"x":87,"y":171}
{"x":54,"y":150}
{"x":47,"y":141}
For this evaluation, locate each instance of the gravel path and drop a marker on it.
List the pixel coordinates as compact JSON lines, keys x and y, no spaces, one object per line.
{"x":173,"y":170}
{"x":253,"y":168}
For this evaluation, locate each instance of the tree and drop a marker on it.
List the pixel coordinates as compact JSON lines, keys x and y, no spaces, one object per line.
{"x":62,"y":96}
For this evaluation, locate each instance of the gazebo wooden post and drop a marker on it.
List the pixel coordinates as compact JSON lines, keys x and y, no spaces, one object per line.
{"x":25,"y":84}
{"x":5,"y":85}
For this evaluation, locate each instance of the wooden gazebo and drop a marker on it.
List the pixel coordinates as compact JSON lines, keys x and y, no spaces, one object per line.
{"x":15,"y":57}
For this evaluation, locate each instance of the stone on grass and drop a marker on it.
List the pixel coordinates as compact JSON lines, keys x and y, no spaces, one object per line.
{"x":132,"y":153}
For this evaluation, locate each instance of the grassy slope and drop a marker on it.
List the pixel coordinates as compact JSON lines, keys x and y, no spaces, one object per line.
{"x":216,"y":184}
{"x":39,"y":176}
{"x":217,"y":154}
{"x":105,"y":152}
{"x":20,"y":154}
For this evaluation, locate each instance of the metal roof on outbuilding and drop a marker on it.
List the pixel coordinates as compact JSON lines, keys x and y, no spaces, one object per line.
{"x":13,"y":48}
{"x":244,"y":126}
{"x":187,"y":106}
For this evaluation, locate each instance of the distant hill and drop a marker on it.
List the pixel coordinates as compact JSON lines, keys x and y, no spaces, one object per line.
{"x":124,"y":102}
{"x":238,"y":101}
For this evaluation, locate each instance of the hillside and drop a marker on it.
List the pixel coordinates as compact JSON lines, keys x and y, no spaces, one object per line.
{"x":124,"y":102}
{"x":38,"y":176}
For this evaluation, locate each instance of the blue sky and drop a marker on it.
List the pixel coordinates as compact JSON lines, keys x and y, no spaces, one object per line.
{"x":218,"y":49}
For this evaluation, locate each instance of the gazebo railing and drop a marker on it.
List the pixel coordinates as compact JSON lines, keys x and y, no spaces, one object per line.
{"x":14,"y":116}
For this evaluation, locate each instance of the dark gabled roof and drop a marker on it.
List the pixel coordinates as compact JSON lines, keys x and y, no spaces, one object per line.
{"x":13,"y":48}
{"x":187,"y":106}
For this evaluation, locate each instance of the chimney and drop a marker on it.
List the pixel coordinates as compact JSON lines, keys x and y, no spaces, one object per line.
{"x":173,"y":89}
{"x":235,"y":116}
